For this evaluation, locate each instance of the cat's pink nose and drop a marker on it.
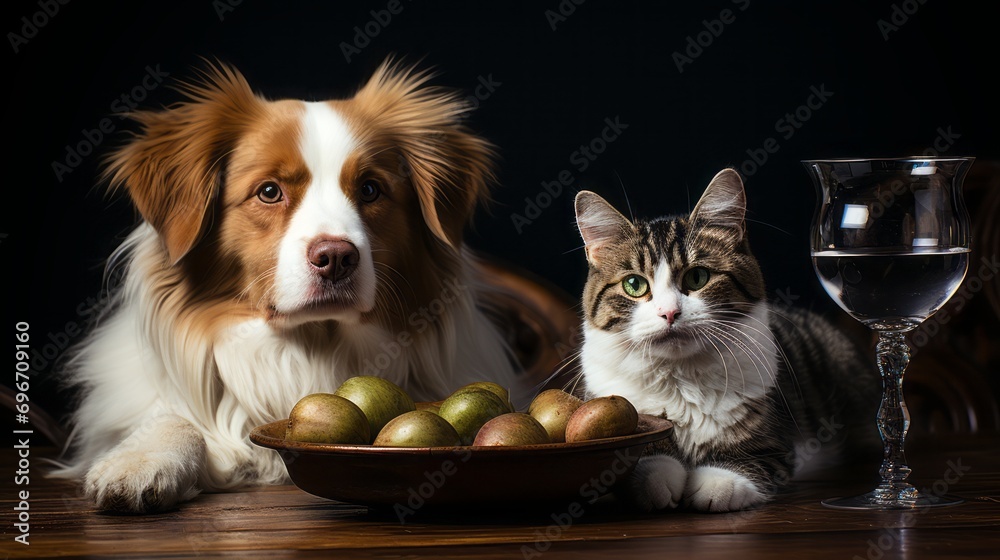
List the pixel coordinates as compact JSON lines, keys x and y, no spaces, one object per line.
{"x":670,"y":315}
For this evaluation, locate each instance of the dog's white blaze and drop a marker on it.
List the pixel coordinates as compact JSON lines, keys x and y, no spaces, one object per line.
{"x":325,"y":210}
{"x":170,"y":392}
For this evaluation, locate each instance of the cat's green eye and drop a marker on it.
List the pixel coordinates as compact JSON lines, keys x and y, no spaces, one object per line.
{"x":635,"y":285}
{"x":696,"y":278}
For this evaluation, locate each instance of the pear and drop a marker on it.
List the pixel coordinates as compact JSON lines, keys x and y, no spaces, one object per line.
{"x":380,"y":399}
{"x":513,"y":428}
{"x":418,"y":428}
{"x":428,"y":406}
{"x":468,"y":410}
{"x":602,"y":417}
{"x":553,"y":408}
{"x":494,"y":388}
{"x":327,"y":418}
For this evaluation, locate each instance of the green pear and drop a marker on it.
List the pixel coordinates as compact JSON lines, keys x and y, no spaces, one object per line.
{"x":327,"y":418}
{"x":494,"y":388}
{"x":467,"y":411}
{"x":418,"y":428}
{"x":380,"y":399}
{"x":428,"y":406}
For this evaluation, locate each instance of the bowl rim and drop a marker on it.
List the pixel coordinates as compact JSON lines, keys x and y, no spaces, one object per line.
{"x":659,"y":429}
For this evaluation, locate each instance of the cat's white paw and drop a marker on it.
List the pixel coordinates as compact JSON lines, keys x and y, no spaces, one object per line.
{"x":657,"y":483}
{"x":719,"y":490}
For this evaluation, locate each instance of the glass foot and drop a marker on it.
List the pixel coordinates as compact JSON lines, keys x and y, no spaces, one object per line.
{"x":887,"y":497}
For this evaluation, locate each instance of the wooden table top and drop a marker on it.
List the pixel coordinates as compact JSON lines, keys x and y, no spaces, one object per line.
{"x":283,"y":521}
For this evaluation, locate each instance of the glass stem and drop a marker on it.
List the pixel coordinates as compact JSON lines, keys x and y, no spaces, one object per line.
{"x":893,"y":418}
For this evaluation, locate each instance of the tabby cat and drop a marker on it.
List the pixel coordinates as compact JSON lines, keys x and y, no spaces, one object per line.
{"x":677,"y":321}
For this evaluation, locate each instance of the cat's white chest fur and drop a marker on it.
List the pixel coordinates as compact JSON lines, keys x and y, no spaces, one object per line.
{"x":702,"y":394}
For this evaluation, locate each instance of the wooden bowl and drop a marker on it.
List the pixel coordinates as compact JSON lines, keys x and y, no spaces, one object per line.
{"x":471,"y":476}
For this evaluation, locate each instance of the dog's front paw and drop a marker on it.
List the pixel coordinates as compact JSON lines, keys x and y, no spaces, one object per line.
{"x":657,"y":483}
{"x":142,"y":481}
{"x":720,"y":490}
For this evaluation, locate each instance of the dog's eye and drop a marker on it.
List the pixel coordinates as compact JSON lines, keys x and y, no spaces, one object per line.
{"x":269,"y":193}
{"x":369,"y":191}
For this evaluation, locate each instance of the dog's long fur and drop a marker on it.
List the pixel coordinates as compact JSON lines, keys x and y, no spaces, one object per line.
{"x":201,"y":344}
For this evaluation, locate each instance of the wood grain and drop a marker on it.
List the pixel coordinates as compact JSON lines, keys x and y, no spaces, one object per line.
{"x":283,"y":521}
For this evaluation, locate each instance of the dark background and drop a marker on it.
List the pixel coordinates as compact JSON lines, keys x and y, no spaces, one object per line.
{"x":891,"y":96}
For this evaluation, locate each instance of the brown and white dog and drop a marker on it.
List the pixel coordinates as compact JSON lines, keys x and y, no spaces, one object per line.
{"x":285,"y":246}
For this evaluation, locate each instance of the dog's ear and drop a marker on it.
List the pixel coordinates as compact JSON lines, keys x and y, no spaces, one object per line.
{"x":172,"y":168}
{"x":449,"y":166}
{"x":452,"y":181}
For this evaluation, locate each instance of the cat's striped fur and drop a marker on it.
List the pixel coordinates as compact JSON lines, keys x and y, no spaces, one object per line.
{"x":676,"y":319}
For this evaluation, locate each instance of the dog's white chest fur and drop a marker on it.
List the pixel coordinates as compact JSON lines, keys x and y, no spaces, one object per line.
{"x":285,"y":246}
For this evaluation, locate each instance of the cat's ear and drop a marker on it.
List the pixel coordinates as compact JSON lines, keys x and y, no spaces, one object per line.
{"x":724,"y":203}
{"x":600,"y":224}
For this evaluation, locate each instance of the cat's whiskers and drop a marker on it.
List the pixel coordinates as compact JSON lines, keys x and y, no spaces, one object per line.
{"x":725,"y":366}
{"x":735,"y":326}
{"x":768,"y":335}
{"x":754,"y":359}
{"x":767,"y":332}
{"x":647,"y":350}
{"x":761,"y":359}
{"x":778,"y":348}
{"x":642,"y":346}
{"x":630,"y":343}
{"x":714,"y":311}
{"x":722,"y":337}
{"x":571,"y":384}
{"x":640,"y":270}
{"x":571,"y":360}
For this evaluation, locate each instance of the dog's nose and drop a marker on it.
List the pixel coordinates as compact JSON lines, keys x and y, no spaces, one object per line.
{"x":334,"y":259}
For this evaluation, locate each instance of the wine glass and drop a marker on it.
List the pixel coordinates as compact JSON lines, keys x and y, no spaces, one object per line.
{"x":890,"y":244}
